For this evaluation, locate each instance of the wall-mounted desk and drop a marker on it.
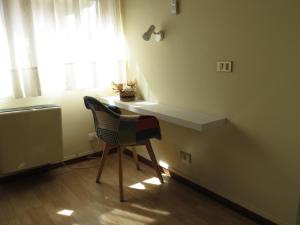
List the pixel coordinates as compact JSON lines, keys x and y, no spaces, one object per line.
{"x":192,"y":119}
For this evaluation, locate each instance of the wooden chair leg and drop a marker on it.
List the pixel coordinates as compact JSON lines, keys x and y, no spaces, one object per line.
{"x":154,"y":161}
{"x":120,"y":155}
{"x":135,"y":157}
{"x":104,"y":154}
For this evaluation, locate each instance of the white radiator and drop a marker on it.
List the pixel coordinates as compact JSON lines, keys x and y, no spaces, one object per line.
{"x":29,"y":137}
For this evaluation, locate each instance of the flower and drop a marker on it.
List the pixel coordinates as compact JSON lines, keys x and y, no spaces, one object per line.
{"x":130,"y":85}
{"x":117,"y":87}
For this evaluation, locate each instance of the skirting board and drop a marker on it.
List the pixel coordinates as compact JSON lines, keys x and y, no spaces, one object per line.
{"x":230,"y":204}
{"x":45,"y":168}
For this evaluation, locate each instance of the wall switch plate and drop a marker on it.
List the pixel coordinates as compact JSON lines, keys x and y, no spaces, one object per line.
{"x":174,"y":7}
{"x":185,"y":157}
{"x":224,"y":66}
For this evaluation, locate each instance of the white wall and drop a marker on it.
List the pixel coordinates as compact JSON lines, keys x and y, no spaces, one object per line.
{"x":254,"y":160}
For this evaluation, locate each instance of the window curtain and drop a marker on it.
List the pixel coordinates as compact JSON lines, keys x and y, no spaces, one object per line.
{"x":50,"y":46}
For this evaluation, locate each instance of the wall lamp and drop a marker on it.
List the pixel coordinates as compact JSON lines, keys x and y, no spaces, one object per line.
{"x":159,"y":36}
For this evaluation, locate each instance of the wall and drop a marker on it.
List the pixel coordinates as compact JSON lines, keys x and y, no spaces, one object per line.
{"x":298,"y":215}
{"x":77,"y":121}
{"x":254,"y":160}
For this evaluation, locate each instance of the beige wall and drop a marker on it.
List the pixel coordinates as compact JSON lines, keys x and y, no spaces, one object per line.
{"x":77,"y":121}
{"x":254,"y":160}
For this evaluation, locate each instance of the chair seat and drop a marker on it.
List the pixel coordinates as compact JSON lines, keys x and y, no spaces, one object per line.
{"x":148,"y":127}
{"x":135,"y":129}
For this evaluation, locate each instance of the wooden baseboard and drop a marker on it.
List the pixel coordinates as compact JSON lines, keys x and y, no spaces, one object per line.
{"x":226,"y":202}
{"x":141,"y":159}
{"x":45,"y":168}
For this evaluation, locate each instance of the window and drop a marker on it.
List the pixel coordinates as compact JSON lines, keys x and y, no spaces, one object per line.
{"x":55,"y":45}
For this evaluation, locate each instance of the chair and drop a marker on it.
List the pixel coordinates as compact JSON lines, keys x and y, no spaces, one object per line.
{"x":119,"y":131}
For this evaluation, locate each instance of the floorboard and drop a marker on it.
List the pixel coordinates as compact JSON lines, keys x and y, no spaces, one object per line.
{"x":70,"y":196}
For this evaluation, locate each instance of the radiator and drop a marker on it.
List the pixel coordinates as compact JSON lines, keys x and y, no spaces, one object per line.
{"x":29,"y":137}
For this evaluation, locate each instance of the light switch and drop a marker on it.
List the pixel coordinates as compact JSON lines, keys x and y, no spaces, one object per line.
{"x":174,"y":7}
{"x":224,"y":66}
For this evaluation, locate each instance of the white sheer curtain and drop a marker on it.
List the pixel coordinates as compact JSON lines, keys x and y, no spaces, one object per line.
{"x":55,"y":45}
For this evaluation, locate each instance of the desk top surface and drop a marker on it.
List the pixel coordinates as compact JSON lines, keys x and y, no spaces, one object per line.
{"x":192,"y":119}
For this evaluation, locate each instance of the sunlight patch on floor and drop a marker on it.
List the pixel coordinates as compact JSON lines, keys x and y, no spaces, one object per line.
{"x":65,"y":212}
{"x":153,"y":180}
{"x":166,"y":174}
{"x":117,"y":216}
{"x":163,"y":164}
{"x":157,"y":211}
{"x":138,"y":186}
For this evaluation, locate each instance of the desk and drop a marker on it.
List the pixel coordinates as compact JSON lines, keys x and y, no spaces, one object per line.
{"x":199,"y":121}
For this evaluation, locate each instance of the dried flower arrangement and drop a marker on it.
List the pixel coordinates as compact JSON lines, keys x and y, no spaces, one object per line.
{"x":126,"y":90}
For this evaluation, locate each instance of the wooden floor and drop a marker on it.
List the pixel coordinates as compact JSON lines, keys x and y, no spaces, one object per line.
{"x":70,"y":196}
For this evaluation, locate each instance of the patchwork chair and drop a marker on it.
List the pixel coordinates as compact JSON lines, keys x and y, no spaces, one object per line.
{"x":119,"y":131}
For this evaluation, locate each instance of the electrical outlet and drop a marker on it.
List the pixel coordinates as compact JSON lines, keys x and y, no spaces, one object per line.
{"x":185,"y":157}
{"x":224,"y":66}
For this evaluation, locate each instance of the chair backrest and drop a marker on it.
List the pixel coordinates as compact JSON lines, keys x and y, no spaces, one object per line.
{"x":106,"y":119}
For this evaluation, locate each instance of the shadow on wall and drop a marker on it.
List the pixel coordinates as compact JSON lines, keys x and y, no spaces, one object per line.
{"x":229,"y":161}
{"x":234,"y":140}
{"x":231,"y":140}
{"x":143,"y":86}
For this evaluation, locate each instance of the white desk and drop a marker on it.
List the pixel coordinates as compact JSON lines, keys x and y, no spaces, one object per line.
{"x":195,"y":120}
